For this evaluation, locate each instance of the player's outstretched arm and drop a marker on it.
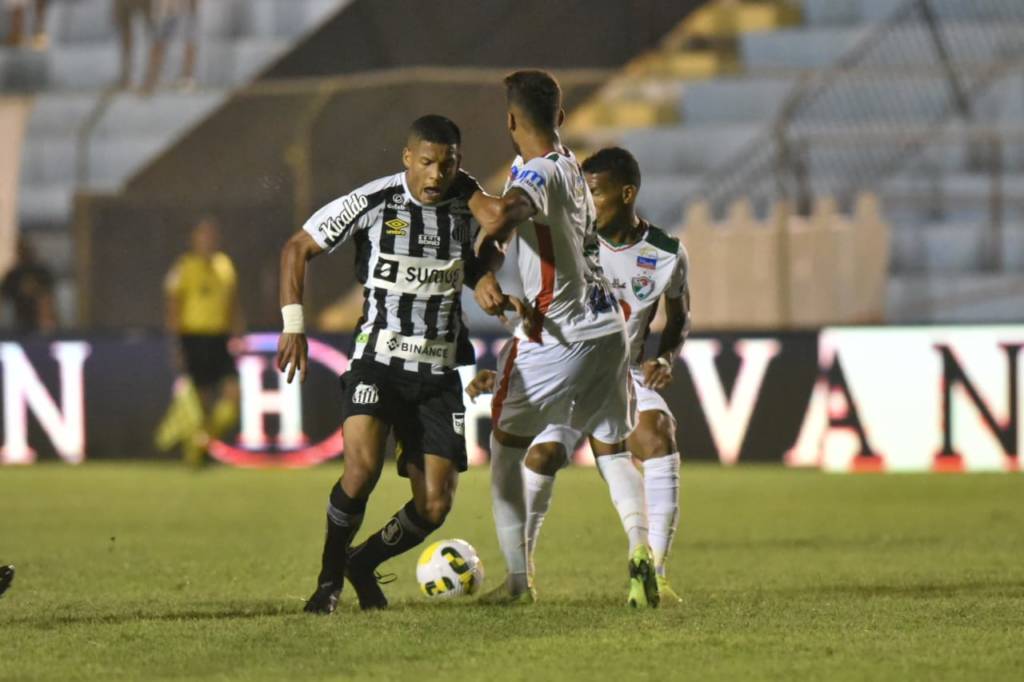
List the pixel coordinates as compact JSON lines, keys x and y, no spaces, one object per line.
{"x":292,"y":350}
{"x":499,"y":216}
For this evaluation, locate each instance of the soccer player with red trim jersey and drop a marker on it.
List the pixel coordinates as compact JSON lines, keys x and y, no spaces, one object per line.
{"x":568,"y":361}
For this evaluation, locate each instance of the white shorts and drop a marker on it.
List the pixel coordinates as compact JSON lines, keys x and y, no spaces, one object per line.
{"x":584,"y":384}
{"x":648,"y":400}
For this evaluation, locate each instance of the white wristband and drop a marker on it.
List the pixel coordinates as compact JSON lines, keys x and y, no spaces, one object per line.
{"x":292,"y":316}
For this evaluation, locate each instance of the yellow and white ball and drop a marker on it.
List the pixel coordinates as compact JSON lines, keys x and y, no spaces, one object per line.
{"x":450,"y":568}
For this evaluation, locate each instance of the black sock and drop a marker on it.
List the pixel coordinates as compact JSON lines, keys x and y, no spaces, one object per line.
{"x":344,"y":516}
{"x":405,"y":530}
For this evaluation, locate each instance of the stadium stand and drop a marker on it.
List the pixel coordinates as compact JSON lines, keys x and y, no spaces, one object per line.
{"x":83,"y":135}
{"x":922,"y":102}
{"x":326,"y":117}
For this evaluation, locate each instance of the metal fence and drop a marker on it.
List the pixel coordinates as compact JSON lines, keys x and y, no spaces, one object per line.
{"x":848,"y":128}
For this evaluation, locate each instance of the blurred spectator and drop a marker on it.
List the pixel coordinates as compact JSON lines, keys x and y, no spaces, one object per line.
{"x":18,"y":9}
{"x":161,"y":19}
{"x":28,"y":286}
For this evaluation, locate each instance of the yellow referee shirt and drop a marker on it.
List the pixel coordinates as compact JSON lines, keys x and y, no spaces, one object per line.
{"x":205,"y":289}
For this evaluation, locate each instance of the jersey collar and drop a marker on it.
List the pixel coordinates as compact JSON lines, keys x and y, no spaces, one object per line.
{"x":644,"y":227}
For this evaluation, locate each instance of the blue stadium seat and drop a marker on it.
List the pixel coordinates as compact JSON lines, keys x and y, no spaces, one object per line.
{"x":682,"y":149}
{"x":720,"y":101}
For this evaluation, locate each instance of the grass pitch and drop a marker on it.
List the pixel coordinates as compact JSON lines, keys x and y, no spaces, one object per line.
{"x":150,"y":572}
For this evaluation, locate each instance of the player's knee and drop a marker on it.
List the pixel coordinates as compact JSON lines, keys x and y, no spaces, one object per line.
{"x":545,"y":458}
{"x":654,"y":444}
{"x":655,"y":436}
{"x":361,"y":470}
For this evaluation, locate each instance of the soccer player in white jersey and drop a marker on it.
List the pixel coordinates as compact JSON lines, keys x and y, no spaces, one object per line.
{"x":645,"y":267}
{"x":567,"y":363}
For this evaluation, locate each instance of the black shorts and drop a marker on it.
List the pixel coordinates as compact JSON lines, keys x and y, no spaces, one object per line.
{"x":207,"y":359}
{"x":426,"y":413}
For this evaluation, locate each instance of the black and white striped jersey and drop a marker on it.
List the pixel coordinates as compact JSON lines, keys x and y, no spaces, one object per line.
{"x":412,"y":260}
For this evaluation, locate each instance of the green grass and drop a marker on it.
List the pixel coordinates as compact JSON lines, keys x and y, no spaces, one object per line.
{"x":149,"y":572}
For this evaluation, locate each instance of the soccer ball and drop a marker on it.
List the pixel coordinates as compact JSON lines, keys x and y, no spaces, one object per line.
{"x":449,"y":568}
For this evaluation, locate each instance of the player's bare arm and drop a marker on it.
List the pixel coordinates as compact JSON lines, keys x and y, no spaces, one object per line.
{"x":292,"y":350}
{"x":499,"y":216}
{"x":658,"y":371}
{"x":487,"y":292}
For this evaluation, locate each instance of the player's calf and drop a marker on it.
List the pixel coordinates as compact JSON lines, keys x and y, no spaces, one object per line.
{"x":406,"y":529}
{"x":654,"y":443}
{"x":344,"y":516}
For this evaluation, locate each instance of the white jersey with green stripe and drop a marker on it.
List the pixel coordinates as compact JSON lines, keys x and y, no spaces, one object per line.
{"x":557,"y":253}
{"x":639,"y":274}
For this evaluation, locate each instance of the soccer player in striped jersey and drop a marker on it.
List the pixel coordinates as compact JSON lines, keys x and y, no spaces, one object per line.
{"x":567,"y":363}
{"x":645,"y":267}
{"x":414,"y":237}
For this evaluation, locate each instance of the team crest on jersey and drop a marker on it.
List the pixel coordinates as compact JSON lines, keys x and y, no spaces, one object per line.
{"x":460,"y":229}
{"x":396,"y":227}
{"x":365,"y":394}
{"x":643,"y":286}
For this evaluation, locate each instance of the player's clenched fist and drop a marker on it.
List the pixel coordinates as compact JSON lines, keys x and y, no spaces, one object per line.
{"x":292,"y":355}
{"x":482,"y":383}
{"x":489,"y":296}
{"x":657,"y":373}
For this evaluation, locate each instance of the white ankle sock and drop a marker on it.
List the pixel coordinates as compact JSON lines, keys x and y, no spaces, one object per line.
{"x":661,"y":485}
{"x":626,"y":486}
{"x":508,"y":502}
{"x":538,"y":500}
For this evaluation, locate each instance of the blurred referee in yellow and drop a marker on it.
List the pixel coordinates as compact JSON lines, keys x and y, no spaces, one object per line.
{"x":201,"y":290}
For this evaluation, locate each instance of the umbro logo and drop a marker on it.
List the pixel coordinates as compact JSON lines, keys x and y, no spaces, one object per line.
{"x":365,"y":394}
{"x":396,"y":227}
{"x":392,"y":532}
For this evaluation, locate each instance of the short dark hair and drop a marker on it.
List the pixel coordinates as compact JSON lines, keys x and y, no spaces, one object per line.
{"x":617,"y":162}
{"x":537,"y":94}
{"x":435,"y":128}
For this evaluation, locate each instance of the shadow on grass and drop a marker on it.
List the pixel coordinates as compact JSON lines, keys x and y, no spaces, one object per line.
{"x":232,"y":611}
{"x":818,"y":542}
{"x":924,"y":589}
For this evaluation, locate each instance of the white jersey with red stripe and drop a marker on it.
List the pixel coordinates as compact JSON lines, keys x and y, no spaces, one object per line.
{"x":639,"y":274}
{"x":558,"y":253}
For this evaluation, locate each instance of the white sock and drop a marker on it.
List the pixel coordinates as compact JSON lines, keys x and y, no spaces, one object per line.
{"x":626,"y":486}
{"x":538,"y":500}
{"x":508,"y":502}
{"x":661,"y":484}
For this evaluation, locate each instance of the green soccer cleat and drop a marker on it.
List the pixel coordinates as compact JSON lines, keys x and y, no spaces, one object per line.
{"x":503,"y":595}
{"x":666,"y":593}
{"x":6,"y":578}
{"x":643,"y":583}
